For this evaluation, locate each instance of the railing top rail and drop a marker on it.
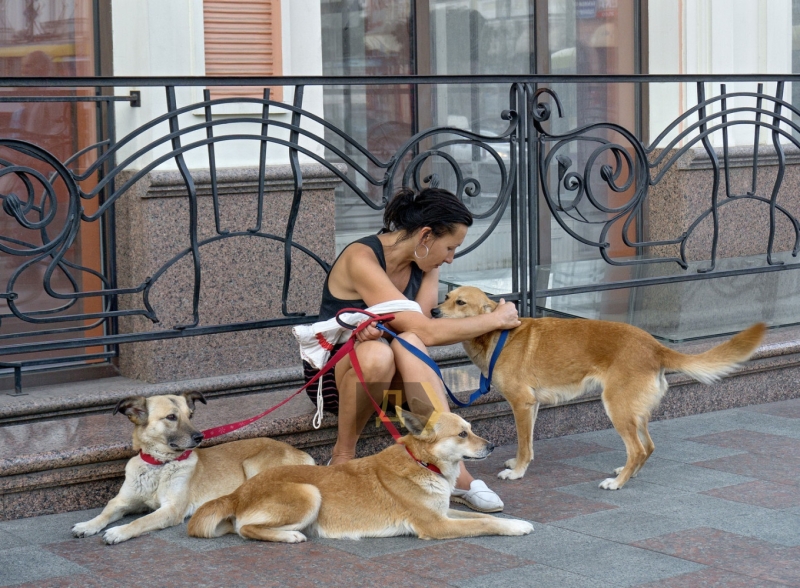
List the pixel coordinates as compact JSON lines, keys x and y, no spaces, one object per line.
{"x":107,"y":81}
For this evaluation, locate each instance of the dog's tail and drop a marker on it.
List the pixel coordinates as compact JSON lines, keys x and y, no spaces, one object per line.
{"x":718,"y":361}
{"x":214,"y":519}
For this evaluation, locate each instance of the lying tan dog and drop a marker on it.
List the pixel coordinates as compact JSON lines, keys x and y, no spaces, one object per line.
{"x":170,"y":476}
{"x":550,"y":360}
{"x":395,"y":492}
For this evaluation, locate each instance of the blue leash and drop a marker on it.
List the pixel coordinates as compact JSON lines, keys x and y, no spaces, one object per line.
{"x":486,"y":382}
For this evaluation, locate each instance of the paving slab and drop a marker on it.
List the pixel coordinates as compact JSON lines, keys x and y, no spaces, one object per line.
{"x":684,"y":451}
{"x":29,"y":564}
{"x":624,"y":525}
{"x":717,"y":505}
{"x":535,"y":575}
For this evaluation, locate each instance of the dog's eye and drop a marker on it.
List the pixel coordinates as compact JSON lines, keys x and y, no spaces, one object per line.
{"x":172,"y":417}
{"x":463,"y":434}
{"x":191,"y":415}
{"x":460,"y":302}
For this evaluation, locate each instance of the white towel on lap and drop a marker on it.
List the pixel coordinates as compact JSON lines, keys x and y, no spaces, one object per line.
{"x":317,"y":340}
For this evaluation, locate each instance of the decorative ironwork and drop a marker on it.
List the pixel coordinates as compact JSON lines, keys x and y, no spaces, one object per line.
{"x":639,"y":167}
{"x":568,"y":168}
{"x":38,"y":209}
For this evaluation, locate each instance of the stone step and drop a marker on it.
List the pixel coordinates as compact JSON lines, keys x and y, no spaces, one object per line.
{"x":71,"y":454}
{"x":70,"y":397}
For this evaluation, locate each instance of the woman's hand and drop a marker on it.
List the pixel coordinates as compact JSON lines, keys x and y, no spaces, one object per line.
{"x":371,"y":333}
{"x":506,"y":314}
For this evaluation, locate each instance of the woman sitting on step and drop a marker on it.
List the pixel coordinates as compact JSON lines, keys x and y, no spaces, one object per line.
{"x":420,"y":233}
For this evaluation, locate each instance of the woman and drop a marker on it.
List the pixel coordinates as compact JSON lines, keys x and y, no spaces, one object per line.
{"x":419,"y":234}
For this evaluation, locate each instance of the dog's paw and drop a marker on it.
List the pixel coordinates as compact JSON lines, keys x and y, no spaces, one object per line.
{"x":610,"y":484}
{"x":293,"y":537}
{"x":511,"y":475}
{"x":511,"y":463}
{"x":618,"y":471}
{"x":516,"y":527}
{"x":86,"y":529}
{"x":116,"y":535}
{"x":83,"y":530}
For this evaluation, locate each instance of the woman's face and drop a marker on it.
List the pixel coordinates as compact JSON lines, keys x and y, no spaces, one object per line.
{"x":442,"y":249}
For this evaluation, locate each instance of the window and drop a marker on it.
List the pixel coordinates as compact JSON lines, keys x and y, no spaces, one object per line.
{"x":243,"y":38}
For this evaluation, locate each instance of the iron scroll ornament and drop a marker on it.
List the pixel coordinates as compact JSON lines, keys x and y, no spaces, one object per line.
{"x":38,"y":208}
{"x":573,"y":196}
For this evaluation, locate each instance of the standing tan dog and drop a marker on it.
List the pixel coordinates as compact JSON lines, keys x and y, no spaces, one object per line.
{"x":550,"y":360}
{"x":170,"y":476}
{"x":395,"y":492}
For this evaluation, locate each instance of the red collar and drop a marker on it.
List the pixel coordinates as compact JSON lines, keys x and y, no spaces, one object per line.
{"x":153,"y":461}
{"x":430,"y":466}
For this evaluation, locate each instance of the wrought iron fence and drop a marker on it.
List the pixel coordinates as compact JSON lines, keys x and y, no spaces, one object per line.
{"x":564,"y":170}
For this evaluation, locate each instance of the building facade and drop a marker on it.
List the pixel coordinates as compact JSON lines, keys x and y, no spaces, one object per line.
{"x":372,"y":38}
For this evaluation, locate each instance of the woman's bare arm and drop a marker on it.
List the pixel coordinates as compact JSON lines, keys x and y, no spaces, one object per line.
{"x":374,"y":286}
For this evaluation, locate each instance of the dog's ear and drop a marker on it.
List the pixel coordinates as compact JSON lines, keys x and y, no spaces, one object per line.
{"x":413,"y":422}
{"x":489,"y":305}
{"x":421,"y":408}
{"x":133,"y":407}
{"x":192,"y":397}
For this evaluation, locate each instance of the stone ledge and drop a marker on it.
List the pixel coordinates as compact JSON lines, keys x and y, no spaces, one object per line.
{"x":242,"y":181}
{"x":740,"y":156}
{"x":101,"y":395}
{"x":84,"y":465}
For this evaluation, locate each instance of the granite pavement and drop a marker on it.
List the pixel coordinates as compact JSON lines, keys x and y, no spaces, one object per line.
{"x":717,"y":505}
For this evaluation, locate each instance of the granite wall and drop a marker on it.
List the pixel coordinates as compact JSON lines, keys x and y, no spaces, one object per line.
{"x":696,"y":308}
{"x":242,"y":276}
{"x":686,"y":189}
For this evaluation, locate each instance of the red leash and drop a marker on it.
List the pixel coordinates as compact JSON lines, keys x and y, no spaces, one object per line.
{"x":348,"y":347}
{"x":384,"y":419}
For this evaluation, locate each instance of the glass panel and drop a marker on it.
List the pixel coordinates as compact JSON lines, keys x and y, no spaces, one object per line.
{"x":452,"y":37}
{"x":796,"y":54}
{"x":39,"y":39}
{"x":684,"y":310}
{"x":475,"y":38}
{"x":591,"y":37}
{"x":364,"y":39}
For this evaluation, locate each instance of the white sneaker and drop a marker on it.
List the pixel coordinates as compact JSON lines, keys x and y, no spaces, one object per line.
{"x":479,"y":497}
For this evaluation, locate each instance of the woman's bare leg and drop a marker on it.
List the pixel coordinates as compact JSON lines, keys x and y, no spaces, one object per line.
{"x":423,"y":383}
{"x":377,"y":364}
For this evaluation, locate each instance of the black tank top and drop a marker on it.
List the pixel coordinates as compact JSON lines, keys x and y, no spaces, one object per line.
{"x":331,"y":305}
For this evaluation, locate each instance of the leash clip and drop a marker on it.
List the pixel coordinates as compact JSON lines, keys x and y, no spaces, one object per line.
{"x":379,"y":318}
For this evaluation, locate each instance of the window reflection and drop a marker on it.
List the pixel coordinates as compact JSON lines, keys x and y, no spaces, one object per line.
{"x":41,"y":39}
{"x":460,"y":37}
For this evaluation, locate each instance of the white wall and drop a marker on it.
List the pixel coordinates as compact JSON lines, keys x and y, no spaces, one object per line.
{"x":157,"y":38}
{"x":716,"y":37}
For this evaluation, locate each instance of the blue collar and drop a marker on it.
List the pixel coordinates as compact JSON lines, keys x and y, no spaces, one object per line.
{"x":486,"y":381}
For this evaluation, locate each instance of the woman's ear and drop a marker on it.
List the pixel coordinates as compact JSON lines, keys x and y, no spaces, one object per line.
{"x":426,"y":235}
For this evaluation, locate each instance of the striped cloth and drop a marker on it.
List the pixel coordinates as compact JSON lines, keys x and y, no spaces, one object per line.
{"x":319,"y":340}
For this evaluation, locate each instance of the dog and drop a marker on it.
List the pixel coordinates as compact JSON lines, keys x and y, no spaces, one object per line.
{"x":177,"y":478}
{"x":403,"y":490}
{"x":551,"y":360}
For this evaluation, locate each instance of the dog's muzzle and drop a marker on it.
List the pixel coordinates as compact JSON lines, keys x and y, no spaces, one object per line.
{"x":436,"y":312}
{"x":487,"y":451}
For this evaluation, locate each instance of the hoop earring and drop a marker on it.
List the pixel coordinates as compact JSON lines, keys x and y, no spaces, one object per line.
{"x":427,"y":250}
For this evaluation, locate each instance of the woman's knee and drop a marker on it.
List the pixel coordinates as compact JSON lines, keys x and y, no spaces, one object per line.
{"x":412,"y":339}
{"x":376,"y":360}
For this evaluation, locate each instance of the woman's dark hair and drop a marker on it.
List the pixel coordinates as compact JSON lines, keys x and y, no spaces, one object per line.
{"x":432,"y":207}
